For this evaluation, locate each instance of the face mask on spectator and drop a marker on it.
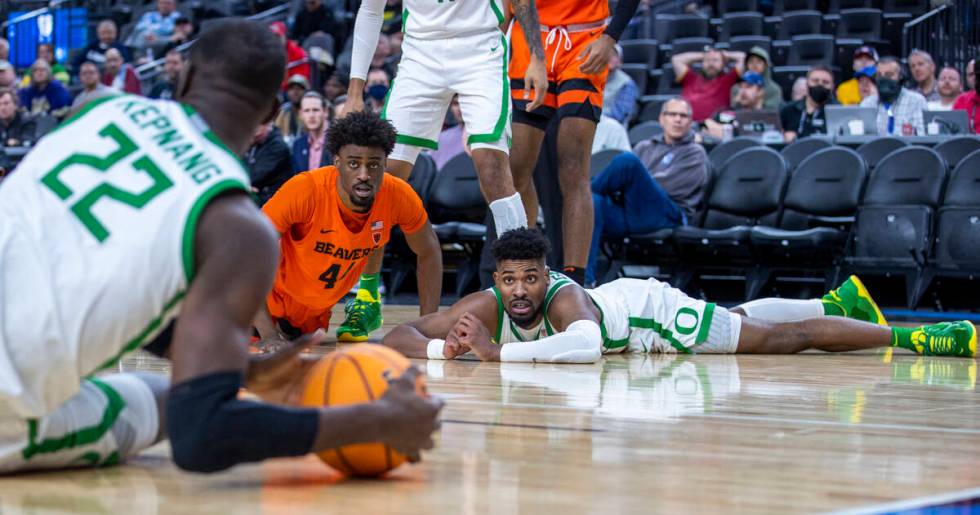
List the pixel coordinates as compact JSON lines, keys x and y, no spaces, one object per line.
{"x":819,"y":94}
{"x":377,"y":91}
{"x":888,"y":90}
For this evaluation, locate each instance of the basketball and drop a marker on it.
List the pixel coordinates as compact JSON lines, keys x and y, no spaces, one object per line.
{"x":352,"y":375}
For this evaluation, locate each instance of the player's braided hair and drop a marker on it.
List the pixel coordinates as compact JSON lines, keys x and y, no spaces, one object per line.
{"x":521,"y":243}
{"x":363,"y":129}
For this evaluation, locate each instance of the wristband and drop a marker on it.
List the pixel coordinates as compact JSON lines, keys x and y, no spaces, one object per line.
{"x":435,"y":349}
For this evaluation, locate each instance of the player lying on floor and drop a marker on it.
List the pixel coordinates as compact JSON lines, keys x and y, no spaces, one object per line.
{"x":532,"y":314}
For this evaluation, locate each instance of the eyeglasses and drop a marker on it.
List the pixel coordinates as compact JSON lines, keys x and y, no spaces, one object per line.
{"x":679,"y":114}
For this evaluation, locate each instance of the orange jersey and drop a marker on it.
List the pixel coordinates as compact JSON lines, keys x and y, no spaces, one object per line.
{"x":324,"y":245}
{"x":553,"y":13}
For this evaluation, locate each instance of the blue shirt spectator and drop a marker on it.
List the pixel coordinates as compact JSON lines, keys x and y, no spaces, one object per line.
{"x":44,"y":95}
{"x":621,"y":92}
{"x":156,"y":27}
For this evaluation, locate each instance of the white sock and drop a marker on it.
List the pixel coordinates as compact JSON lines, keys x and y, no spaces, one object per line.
{"x":508,"y":213}
{"x":783,"y":310}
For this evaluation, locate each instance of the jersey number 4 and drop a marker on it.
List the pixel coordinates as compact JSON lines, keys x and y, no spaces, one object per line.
{"x":82,"y":208}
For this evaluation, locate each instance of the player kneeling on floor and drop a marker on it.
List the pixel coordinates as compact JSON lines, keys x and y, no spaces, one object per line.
{"x":532,"y":314}
{"x":330,"y":220}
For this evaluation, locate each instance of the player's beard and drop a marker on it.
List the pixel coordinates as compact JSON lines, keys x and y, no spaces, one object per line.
{"x":523,"y":320}
{"x":362,"y":202}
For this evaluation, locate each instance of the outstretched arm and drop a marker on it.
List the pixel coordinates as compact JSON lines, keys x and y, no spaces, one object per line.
{"x":425,"y":245}
{"x":413,"y":339}
{"x":536,"y":77}
{"x":738,"y":60}
{"x":367,"y":27}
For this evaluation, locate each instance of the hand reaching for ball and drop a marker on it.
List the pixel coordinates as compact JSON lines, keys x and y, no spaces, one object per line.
{"x":410,"y":418}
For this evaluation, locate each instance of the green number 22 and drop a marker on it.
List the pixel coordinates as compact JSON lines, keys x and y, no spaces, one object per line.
{"x":83,"y":207}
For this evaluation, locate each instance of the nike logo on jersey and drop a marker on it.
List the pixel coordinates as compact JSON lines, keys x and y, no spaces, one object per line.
{"x":327,"y":231}
{"x":494,"y":48}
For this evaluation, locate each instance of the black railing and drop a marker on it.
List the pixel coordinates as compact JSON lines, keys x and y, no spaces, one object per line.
{"x":950,"y":33}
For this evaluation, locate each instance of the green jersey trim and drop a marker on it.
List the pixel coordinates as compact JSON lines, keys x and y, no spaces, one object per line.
{"x":709,"y":313}
{"x":404,"y":20}
{"x":606,"y":341}
{"x":384,"y":104}
{"x":140,"y":339}
{"x":82,"y":436}
{"x":657,"y":327}
{"x":498,"y":129}
{"x":190,"y":226}
{"x":405,"y":139}
{"x":497,"y":12}
{"x":500,"y":314}
{"x":85,"y":110}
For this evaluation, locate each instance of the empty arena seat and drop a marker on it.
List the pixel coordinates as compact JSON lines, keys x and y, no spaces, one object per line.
{"x":954,"y":150}
{"x":681,"y":45}
{"x":423,"y":174}
{"x":911,"y":175}
{"x":781,"y":7}
{"x":637,"y":72}
{"x":811,"y":49}
{"x":600,"y":160}
{"x":724,"y":151}
{"x":667,"y":85}
{"x":455,"y":196}
{"x":734,"y":6}
{"x":650,"y":106}
{"x":797,"y":151}
{"x":964,"y":183}
{"x":668,"y":27}
{"x":876,"y":149}
{"x":740,"y":24}
{"x":798,"y":23}
{"x":913,"y":7}
{"x":644,"y":131}
{"x":745,"y":43}
{"x":860,"y":23}
{"x":746,"y":193}
{"x":640,"y":51}
{"x":838,"y":5}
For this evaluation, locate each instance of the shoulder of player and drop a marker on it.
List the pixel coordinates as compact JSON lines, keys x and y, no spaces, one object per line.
{"x":482,"y":304}
{"x":229,"y":223}
{"x":399,"y":186}
{"x":571,"y":300}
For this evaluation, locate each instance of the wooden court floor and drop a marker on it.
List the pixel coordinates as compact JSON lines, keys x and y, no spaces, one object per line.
{"x":631,"y":434}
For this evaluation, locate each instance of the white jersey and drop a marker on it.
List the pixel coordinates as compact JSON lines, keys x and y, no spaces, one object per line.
{"x":97,"y":231}
{"x":440,"y":19}
{"x":639,"y":316}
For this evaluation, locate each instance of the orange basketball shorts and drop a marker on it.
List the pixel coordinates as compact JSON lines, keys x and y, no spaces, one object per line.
{"x":293,"y":317}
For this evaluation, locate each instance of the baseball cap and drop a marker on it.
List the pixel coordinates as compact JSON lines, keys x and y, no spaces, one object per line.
{"x":5,"y":65}
{"x":300,"y":80}
{"x":754,"y":78}
{"x":866,"y":50}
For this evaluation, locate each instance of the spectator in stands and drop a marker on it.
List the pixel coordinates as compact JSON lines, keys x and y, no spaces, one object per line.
{"x":16,"y":128}
{"x":395,"y":40}
{"x":268,"y":161}
{"x":106,"y":34}
{"x":120,"y":75}
{"x":620,"y":94}
{"x":155,"y":27}
{"x":805,"y":117}
{"x":335,"y":86}
{"x":865,"y":59}
{"x":89,"y":77}
{"x":659,"y":185}
{"x":8,"y":77}
{"x":970,"y":76}
{"x":899,"y":109}
{"x":183,"y":33}
{"x":950,"y":87}
{"x":295,"y":56}
{"x":708,"y":90}
{"x":799,"y":89}
{"x":45,"y":96}
{"x":382,"y":53}
{"x":970,"y":102}
{"x":610,"y":134}
{"x":173,"y":63}
{"x":452,"y":139}
{"x":757,"y":60}
{"x":287,"y":119}
{"x":58,"y":72}
{"x":310,"y":152}
{"x":315,"y":17}
{"x":751,"y":97}
{"x":376,"y":86}
{"x":4,"y":50}
{"x":923,"y":70}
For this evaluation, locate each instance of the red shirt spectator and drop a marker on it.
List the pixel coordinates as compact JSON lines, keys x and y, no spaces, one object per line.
{"x":708,"y":90}
{"x":119,"y":75}
{"x":970,"y":102}
{"x":295,"y":55}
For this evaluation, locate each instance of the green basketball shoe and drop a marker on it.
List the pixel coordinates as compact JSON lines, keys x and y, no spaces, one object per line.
{"x":854,"y":301}
{"x":946,"y":339}
{"x":362,"y":316}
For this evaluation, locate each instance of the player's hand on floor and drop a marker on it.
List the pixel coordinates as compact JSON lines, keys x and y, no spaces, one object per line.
{"x":409,"y":418}
{"x":536,"y":80}
{"x":277,"y":376}
{"x":596,"y":55}
{"x":471,"y":332}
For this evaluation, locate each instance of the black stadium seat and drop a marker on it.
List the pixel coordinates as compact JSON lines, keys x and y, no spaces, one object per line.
{"x":876,"y":149}
{"x":423,"y":174}
{"x":668,"y":27}
{"x":456,"y":210}
{"x":667,"y":85}
{"x":838,"y":5}
{"x":818,"y":209}
{"x":893,"y":230}
{"x":785,"y":76}
{"x":399,"y":257}
{"x":734,"y":6}
{"x":644,"y":131}
{"x":637,"y":72}
{"x":746,"y":193}
{"x":600,"y":160}
{"x":745,"y":43}
{"x":650,"y":106}
{"x":723,"y":152}
{"x":861,"y":24}
{"x":798,"y":23}
{"x":640,"y":51}
{"x":681,"y":45}
{"x":954,"y":150}
{"x":811,"y":49}
{"x":781,"y":7}
{"x":913,"y":7}
{"x":740,"y":24}
{"x":797,"y":151}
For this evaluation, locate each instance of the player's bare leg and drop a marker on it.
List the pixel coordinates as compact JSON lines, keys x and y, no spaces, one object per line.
{"x":362,"y":314}
{"x":574,"y":153}
{"x":523,"y":158}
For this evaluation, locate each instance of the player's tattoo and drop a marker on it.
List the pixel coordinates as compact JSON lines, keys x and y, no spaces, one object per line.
{"x":527,"y":15}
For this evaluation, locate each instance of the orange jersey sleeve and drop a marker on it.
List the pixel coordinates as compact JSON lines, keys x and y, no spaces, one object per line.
{"x":294,"y":203}
{"x":407,"y":211}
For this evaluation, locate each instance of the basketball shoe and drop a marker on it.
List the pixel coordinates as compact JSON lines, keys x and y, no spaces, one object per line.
{"x":853,"y":301}
{"x":946,"y":339}
{"x":362,"y":315}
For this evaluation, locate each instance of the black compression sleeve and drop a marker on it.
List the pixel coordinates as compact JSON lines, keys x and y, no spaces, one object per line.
{"x":625,"y":9}
{"x":210,"y":429}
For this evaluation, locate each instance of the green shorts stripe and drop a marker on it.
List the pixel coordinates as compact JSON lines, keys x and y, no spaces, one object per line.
{"x":80,"y":437}
{"x":657,"y":327}
{"x":416,"y":141}
{"x":498,"y":129}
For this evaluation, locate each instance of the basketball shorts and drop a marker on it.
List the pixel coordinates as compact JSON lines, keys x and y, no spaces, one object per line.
{"x":571,"y":93}
{"x":295,"y":318}
{"x":110,"y":418}
{"x":430,"y":72}
{"x":650,"y":316}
